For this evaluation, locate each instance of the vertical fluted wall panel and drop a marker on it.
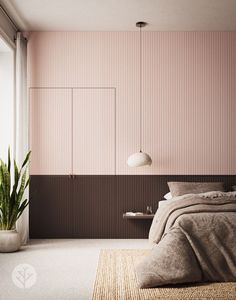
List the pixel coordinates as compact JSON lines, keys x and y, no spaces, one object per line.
{"x":94,"y":131}
{"x":91,"y":206}
{"x":189,"y":92}
{"x":50,"y":131}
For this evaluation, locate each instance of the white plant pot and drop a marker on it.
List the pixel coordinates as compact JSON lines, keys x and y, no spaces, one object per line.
{"x":9,"y":241}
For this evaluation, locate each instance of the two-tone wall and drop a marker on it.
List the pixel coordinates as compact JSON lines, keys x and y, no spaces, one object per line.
{"x":84,"y":120}
{"x":189,"y":96}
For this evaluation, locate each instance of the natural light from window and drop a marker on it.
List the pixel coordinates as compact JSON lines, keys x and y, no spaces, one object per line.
{"x":6,"y":98}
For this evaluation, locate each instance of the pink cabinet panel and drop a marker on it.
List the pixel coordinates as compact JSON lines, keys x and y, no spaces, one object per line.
{"x":94,"y":125}
{"x":50,"y":131}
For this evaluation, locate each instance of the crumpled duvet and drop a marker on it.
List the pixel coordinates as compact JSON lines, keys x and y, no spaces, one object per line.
{"x":194,"y":241}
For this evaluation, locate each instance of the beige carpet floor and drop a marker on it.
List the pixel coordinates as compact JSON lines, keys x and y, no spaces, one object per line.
{"x":66,"y":268}
{"x":116,"y":280}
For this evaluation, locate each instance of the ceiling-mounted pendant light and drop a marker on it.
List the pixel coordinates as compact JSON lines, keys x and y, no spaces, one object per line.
{"x":140,"y":158}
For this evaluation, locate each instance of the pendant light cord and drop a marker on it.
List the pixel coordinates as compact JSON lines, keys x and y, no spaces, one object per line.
{"x":140,"y":85}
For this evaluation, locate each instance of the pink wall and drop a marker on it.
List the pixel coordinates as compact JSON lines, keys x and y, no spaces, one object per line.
{"x":50,"y":132}
{"x":94,"y":131}
{"x":189,"y":97}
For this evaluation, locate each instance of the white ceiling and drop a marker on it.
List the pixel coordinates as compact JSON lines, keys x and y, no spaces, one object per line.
{"x":121,"y":15}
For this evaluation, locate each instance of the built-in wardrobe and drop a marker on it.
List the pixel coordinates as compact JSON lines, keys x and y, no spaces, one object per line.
{"x":74,"y":190}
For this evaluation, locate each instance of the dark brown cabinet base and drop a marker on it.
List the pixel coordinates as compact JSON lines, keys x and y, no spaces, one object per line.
{"x":91,"y":206}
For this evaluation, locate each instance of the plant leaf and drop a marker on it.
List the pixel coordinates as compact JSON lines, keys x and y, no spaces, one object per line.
{"x":11,"y":206}
{"x":17,"y":177}
{"x":22,"y":188}
{"x":27,"y":182}
{"x":9,"y":160}
{"x":5,"y":178}
{"x":26,"y":159}
{"x":22,"y":208}
{"x":16,"y":173}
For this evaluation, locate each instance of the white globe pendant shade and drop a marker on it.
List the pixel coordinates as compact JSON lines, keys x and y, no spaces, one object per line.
{"x":139,"y":159}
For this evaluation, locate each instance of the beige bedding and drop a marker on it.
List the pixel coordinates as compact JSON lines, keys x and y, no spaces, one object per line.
{"x":194,"y":241}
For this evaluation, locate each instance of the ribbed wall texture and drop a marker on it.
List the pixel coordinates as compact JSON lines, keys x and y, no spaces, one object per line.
{"x":189,"y":97}
{"x":67,"y":127}
{"x":94,"y":131}
{"x":92,"y":206}
{"x":50,"y":131}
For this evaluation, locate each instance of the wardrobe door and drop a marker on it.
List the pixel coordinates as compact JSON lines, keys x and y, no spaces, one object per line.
{"x":50,"y":209}
{"x":94,"y":131}
{"x":51,"y":131}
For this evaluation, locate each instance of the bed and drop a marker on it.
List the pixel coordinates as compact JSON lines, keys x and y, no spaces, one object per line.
{"x":193,"y":236}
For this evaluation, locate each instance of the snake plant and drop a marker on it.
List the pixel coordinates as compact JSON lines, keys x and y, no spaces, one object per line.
{"x":11,"y":193}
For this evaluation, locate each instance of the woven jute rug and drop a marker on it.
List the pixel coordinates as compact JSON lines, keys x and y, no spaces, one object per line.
{"x":116,"y":280}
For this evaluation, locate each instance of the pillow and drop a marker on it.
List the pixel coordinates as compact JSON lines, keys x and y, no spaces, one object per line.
{"x":234,"y":188}
{"x":182,"y":188}
{"x":162,"y":203}
{"x":168,"y":196}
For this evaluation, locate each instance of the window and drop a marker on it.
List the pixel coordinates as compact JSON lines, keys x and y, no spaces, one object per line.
{"x":6,"y":98}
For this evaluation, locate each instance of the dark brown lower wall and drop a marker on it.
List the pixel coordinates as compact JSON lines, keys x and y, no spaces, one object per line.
{"x":91,"y":206}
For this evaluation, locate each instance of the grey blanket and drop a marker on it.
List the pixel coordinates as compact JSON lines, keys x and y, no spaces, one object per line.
{"x":194,"y":241}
